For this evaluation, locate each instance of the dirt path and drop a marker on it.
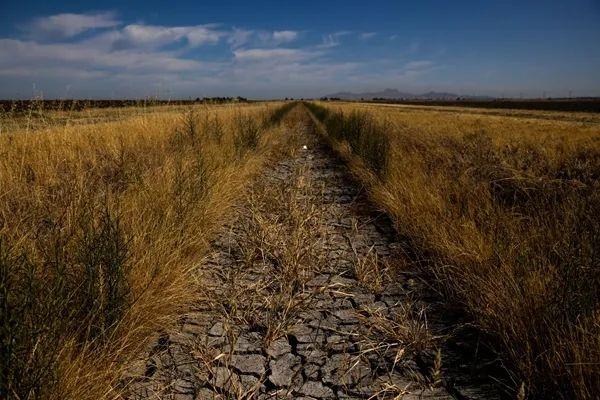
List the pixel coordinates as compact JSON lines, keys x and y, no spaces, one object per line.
{"x":303,"y":297}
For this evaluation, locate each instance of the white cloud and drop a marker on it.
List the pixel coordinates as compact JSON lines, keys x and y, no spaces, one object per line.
{"x":62,"y":26}
{"x":133,"y":59}
{"x":332,"y":39}
{"x":152,"y":37}
{"x":157,"y":36}
{"x":58,"y":72}
{"x":284,"y":36}
{"x":277,"y":55}
{"x":239,"y":37}
{"x":15,"y":53}
{"x":275,"y":38}
{"x":329,"y":41}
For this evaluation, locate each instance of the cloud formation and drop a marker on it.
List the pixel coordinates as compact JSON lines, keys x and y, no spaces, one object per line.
{"x":284,"y":36}
{"x":95,"y":55}
{"x":277,"y":55}
{"x":61,"y":26}
{"x":333,"y":39}
{"x":368,"y":35}
{"x":157,"y":36}
{"x":27,"y":55}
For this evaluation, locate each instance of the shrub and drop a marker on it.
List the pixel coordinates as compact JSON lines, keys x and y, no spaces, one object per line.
{"x":247,"y":134}
{"x":367,"y":138}
{"x":75,"y":284}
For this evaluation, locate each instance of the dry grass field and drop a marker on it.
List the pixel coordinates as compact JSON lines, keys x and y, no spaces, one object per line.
{"x":102,"y":214}
{"x":502,"y":213}
{"x":108,"y":217}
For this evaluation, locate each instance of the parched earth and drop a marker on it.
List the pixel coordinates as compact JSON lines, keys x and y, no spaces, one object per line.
{"x":307,"y":294}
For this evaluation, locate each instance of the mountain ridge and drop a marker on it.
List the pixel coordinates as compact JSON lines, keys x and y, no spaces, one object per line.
{"x":396,"y":94}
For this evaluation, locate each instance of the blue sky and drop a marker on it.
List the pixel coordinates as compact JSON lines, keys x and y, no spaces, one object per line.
{"x":267,"y":49}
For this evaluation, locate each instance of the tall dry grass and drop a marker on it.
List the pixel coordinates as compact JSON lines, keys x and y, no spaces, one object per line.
{"x":101,"y":224}
{"x":505,"y":212}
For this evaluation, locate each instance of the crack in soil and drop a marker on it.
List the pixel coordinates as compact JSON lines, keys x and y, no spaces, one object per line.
{"x":302,"y":298}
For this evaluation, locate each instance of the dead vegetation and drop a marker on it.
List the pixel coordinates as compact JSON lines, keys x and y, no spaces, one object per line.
{"x":505,"y":210}
{"x":100,"y":224}
{"x":297,"y":297}
{"x":280,"y":244}
{"x":283,"y":239}
{"x":106,"y":221}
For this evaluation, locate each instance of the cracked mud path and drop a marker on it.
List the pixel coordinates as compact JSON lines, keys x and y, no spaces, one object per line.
{"x":302,"y":297}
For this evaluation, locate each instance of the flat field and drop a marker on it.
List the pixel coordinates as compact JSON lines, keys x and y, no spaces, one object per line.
{"x":324,"y":250}
{"x":102,"y":213}
{"x":502,"y":208}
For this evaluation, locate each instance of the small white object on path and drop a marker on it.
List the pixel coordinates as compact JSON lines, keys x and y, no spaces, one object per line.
{"x":304,"y":147}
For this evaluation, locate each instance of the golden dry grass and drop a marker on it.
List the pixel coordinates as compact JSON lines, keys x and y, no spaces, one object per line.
{"x":101,"y":223}
{"x":504,"y":207}
{"x":36,"y":118}
{"x":571,"y":116}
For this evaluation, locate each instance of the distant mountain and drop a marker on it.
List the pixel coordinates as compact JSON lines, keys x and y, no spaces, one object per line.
{"x":384,"y":94}
{"x":389,"y":94}
{"x":437,"y":96}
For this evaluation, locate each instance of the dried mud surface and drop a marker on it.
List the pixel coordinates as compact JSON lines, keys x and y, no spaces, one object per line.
{"x":305,"y":295}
